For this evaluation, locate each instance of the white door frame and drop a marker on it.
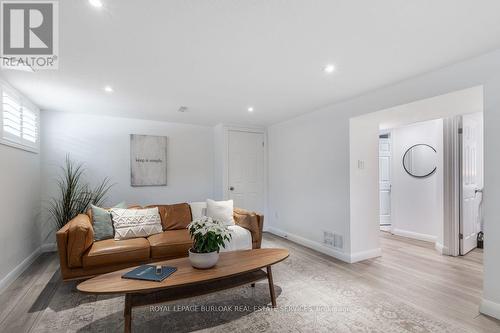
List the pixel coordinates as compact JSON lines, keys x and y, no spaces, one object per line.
{"x":225,"y":164}
{"x":452,"y":160}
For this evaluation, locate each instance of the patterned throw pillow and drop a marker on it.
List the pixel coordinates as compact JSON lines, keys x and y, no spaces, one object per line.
{"x":134,"y":223}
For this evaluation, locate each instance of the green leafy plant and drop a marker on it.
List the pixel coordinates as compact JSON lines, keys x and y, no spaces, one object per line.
{"x":74,"y":194}
{"x":208,"y":235}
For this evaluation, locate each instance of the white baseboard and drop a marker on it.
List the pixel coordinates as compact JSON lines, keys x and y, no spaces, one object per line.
{"x":346,"y":257}
{"x":49,"y":247}
{"x":310,"y":244}
{"x":490,"y":308}
{"x":19,"y":269}
{"x":414,"y":235}
{"x":386,"y":228}
{"x":363,"y":255}
{"x":444,"y":250}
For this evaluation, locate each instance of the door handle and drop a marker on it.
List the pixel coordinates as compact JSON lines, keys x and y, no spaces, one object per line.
{"x":231,"y":188}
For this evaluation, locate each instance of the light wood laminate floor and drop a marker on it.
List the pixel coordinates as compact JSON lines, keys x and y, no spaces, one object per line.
{"x":411,"y":288}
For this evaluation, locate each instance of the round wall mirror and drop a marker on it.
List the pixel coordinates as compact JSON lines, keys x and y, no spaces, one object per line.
{"x":420,"y":160}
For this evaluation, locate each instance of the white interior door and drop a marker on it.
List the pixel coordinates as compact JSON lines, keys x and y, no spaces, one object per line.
{"x":246,"y":170}
{"x":471,"y":181}
{"x":385,"y":181}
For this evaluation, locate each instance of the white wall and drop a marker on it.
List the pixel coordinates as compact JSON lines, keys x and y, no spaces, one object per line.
{"x":219,"y":164}
{"x":491,"y":199}
{"x":417,"y":203}
{"x":309,"y":160}
{"x":308,"y":190}
{"x":20,"y":209}
{"x":103,"y":144}
{"x":364,"y":191}
{"x":315,"y":184}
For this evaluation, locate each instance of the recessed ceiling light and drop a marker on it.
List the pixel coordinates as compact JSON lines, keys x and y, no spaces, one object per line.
{"x":329,"y":69}
{"x":108,"y":89}
{"x":250,"y":109}
{"x":96,"y":3}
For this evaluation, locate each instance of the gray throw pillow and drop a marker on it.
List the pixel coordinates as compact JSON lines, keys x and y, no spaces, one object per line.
{"x":101,"y":220}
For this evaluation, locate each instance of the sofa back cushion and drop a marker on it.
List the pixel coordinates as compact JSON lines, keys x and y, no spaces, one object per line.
{"x":174,"y":217}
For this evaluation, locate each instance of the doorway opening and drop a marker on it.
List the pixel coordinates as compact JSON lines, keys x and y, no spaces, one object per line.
{"x":385,"y":177}
{"x":417,"y":172}
{"x":412,"y":173}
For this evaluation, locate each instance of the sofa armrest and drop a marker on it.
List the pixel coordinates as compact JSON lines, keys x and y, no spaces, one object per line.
{"x":251,"y":221}
{"x":79,"y":235}
{"x":62,"y":248}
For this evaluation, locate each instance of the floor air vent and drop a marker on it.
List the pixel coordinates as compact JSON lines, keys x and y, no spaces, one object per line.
{"x":332,"y":239}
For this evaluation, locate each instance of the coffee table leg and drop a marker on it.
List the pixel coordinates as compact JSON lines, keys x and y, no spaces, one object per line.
{"x":127,"y":313}
{"x":271,"y":286}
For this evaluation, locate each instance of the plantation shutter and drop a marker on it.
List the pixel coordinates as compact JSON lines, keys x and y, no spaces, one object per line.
{"x":20,"y":121}
{"x":12,"y":117}
{"x":29,"y":126}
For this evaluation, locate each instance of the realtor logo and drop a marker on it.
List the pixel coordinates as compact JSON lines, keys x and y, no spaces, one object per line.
{"x":29,"y":34}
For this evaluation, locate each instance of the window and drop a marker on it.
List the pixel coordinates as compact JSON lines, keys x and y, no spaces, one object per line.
{"x":20,"y":121}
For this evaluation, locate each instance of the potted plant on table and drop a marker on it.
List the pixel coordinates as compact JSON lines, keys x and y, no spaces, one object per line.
{"x":208,"y":236}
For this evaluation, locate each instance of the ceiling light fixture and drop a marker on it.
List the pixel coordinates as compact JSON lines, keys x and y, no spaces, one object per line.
{"x":183,"y":109}
{"x":108,"y":89}
{"x":96,"y":3}
{"x":250,"y":109}
{"x":329,"y":69}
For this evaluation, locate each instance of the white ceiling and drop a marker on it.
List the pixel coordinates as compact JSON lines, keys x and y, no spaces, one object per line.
{"x":218,"y":57}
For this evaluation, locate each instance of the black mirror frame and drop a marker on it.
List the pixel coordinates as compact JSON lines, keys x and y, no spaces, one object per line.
{"x":408,"y":172}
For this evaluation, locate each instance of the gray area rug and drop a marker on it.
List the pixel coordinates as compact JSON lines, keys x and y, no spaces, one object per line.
{"x":315,"y":294}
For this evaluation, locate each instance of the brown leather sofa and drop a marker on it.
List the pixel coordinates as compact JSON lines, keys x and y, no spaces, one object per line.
{"x":81,"y":257}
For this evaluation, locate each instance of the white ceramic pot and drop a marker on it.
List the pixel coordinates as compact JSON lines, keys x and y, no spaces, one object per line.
{"x":203,"y":260}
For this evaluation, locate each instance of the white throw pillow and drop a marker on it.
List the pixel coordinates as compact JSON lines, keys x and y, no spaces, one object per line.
{"x":134,"y":223}
{"x":198,"y":209}
{"x":221,"y":210}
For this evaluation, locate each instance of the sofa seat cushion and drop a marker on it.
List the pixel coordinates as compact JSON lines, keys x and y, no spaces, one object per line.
{"x":170,"y":244}
{"x":110,"y":252}
{"x":241,"y":239}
